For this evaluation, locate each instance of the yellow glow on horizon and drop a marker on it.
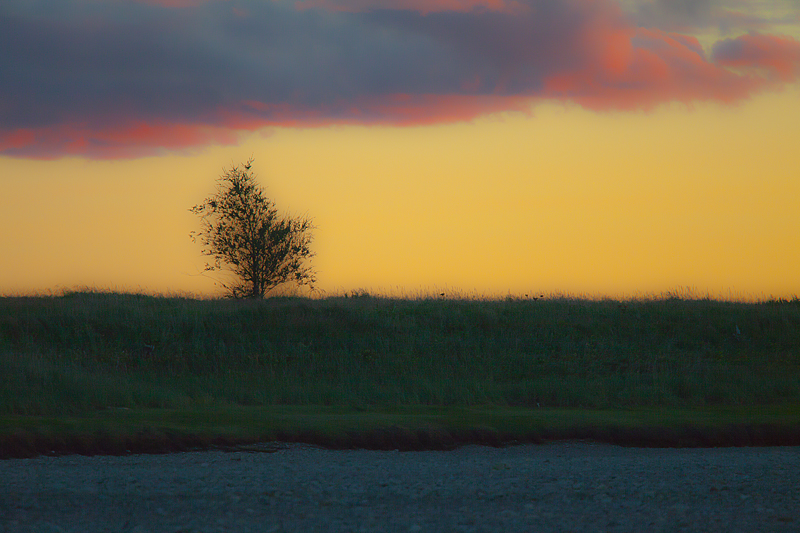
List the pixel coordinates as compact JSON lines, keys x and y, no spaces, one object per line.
{"x":564,"y":200}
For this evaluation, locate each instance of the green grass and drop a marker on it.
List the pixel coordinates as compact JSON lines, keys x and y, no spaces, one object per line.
{"x":81,"y":353}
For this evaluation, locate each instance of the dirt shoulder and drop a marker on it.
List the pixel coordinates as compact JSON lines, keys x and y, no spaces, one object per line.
{"x":125,"y":431}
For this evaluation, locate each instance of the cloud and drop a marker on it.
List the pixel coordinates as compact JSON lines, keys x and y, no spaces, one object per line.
{"x":650,"y":67}
{"x":779,"y":57}
{"x":130,"y":140}
{"x":421,"y":6}
{"x":678,"y":15}
{"x":725,"y":15}
{"x":127,"y":79}
{"x":175,"y":3}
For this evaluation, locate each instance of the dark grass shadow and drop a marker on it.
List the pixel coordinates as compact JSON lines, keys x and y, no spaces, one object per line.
{"x":443,"y":429}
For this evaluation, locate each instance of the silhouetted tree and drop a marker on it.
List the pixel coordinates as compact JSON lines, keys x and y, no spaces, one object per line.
{"x":243,"y":232}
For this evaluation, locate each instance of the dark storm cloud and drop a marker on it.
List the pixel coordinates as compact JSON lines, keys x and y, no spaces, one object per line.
{"x":119,"y":78}
{"x":184,"y":64}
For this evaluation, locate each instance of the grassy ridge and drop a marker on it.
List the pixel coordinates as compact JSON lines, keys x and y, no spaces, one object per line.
{"x":83,"y":352}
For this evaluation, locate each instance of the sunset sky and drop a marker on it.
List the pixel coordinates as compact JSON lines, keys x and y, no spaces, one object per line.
{"x":589,"y":147}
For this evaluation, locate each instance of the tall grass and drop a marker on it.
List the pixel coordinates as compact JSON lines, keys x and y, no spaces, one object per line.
{"x":92,"y":350}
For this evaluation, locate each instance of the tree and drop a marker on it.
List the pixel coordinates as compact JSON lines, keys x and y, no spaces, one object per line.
{"x":243,"y":232}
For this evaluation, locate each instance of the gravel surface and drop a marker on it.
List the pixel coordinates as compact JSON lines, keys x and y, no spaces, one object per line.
{"x":573,"y":486}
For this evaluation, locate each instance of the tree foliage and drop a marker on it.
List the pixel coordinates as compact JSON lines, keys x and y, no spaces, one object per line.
{"x":244,"y":234}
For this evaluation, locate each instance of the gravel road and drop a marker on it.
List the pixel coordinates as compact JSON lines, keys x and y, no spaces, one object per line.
{"x":572,"y":486}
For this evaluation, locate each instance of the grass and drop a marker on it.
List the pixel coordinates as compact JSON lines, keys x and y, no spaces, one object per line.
{"x":73,"y":356}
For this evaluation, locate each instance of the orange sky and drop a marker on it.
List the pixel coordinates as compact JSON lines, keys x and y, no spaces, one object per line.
{"x":564,"y":200}
{"x":569,"y":197}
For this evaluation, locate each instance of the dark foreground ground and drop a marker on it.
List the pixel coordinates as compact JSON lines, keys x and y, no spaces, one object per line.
{"x":568,"y":486}
{"x":33,"y":441}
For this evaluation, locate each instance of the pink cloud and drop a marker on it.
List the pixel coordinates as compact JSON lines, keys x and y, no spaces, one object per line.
{"x":141,"y":139}
{"x":399,"y":109}
{"x":416,"y":110}
{"x":777,"y":56}
{"x":638,"y":69}
{"x":136,"y":139}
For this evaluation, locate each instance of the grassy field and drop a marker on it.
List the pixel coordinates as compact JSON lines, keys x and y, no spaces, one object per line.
{"x":88,"y":356}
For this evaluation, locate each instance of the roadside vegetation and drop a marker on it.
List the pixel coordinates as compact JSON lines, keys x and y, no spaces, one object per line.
{"x":93,"y":350}
{"x":89,"y":352}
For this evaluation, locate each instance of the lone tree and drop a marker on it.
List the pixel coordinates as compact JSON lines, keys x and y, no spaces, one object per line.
{"x":243,"y":232}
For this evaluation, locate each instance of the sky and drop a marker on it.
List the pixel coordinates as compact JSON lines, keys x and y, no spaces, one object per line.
{"x":586,"y":147}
